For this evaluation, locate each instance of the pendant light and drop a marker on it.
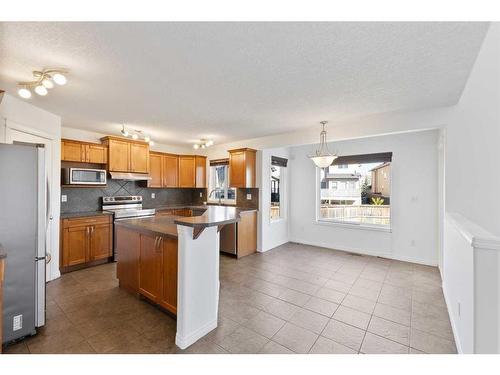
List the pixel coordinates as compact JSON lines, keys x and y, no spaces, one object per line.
{"x":323,"y":157}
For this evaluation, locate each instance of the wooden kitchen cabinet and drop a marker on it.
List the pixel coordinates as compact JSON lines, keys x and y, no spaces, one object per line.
{"x":155,"y":170}
{"x":147,"y":265}
{"x":201,"y":171}
{"x":139,"y":157}
{"x":170,"y":170}
{"x":163,"y":169}
{"x":168,"y":278}
{"x":85,"y":240}
{"x":240,"y":238}
{"x":126,"y":155}
{"x":150,"y":267}
{"x":83,"y":152}
{"x":242,"y":164}
{"x":187,"y":171}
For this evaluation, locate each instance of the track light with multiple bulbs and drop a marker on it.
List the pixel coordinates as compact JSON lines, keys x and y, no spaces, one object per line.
{"x":204,"y":143}
{"x":43,"y":81}
{"x":136,"y":134}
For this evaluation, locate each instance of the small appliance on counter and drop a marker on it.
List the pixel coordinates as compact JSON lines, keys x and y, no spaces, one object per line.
{"x":83,"y":176}
{"x":24,"y":202}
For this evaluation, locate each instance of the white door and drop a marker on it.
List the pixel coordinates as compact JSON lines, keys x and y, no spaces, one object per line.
{"x":15,"y":133}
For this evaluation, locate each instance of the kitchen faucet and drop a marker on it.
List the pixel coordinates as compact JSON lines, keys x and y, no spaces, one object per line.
{"x":216,"y":189}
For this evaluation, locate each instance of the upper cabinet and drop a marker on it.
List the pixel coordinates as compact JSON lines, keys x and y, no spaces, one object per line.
{"x":242,"y":168}
{"x":164,"y":170}
{"x":127,"y":156}
{"x":192,"y":171}
{"x":83,"y":152}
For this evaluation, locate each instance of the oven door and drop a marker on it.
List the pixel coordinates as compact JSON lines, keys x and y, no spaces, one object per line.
{"x":79,"y":176}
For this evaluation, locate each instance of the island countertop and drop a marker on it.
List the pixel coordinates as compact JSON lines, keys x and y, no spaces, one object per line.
{"x":167,"y":225}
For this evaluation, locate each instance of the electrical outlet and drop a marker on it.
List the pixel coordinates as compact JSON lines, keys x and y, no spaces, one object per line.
{"x":153,"y":195}
{"x":64,"y":198}
{"x":249,"y":197}
{"x":17,"y":322}
{"x":201,"y":194}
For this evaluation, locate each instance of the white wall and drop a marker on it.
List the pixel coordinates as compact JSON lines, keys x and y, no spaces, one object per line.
{"x":472,"y":180}
{"x":39,"y":122}
{"x":272,"y":233}
{"x":473,"y":141}
{"x":88,"y":136}
{"x":414,"y":201}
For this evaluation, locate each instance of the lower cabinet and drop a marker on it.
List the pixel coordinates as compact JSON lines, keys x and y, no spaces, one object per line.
{"x":147,"y":265}
{"x":85,"y":240}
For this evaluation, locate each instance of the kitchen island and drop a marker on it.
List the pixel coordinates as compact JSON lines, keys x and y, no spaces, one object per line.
{"x":173,"y":261}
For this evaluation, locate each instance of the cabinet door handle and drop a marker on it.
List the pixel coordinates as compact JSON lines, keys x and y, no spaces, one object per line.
{"x":160,"y":243}
{"x":92,"y":228}
{"x":156,"y":243}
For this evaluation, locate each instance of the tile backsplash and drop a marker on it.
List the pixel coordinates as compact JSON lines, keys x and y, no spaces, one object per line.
{"x":89,"y":199}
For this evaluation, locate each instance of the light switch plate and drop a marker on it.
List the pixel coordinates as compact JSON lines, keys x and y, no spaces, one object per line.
{"x":153,"y":195}
{"x":249,"y":197}
{"x":64,"y":198}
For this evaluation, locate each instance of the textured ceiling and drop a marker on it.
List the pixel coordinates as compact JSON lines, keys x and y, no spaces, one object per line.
{"x":231,"y":81}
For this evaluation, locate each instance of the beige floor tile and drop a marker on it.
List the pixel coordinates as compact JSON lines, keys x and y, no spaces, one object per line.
{"x":367,"y":293}
{"x":17,"y":348}
{"x":393,"y":314}
{"x":265,"y":324}
{"x":309,"y":320}
{"x":327,"y":346}
{"x":274,"y":348}
{"x":281,"y":309}
{"x":344,"y":334}
{"x":441,"y":328}
{"x":373,"y":344}
{"x":359,"y":303}
{"x":295,"y":338}
{"x":400,"y":302}
{"x":345,"y":277}
{"x":431,"y":344}
{"x":294,"y":297}
{"x":353,"y":317}
{"x":390,"y":330}
{"x":321,"y":306}
{"x":330,"y":295}
{"x":202,"y":346}
{"x":225,"y":326}
{"x":368,"y":284}
{"x":243,"y":340}
{"x":338,"y":285}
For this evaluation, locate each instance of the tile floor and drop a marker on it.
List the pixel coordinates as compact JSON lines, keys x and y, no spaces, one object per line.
{"x":292,"y":299}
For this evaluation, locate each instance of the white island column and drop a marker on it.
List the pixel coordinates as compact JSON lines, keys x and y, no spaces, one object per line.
{"x":198,"y":284}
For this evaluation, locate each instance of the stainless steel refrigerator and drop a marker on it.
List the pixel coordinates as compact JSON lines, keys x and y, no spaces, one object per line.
{"x":23,"y":218}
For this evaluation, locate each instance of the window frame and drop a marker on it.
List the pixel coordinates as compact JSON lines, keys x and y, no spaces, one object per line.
{"x":349,"y":224}
{"x":211,"y":182}
{"x":283,"y":194}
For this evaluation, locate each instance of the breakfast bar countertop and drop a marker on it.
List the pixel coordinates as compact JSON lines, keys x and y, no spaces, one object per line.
{"x":167,"y":225}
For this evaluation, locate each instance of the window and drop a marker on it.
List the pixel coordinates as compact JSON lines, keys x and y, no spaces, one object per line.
{"x":278,"y":167}
{"x":219,"y":184}
{"x":364,"y":190}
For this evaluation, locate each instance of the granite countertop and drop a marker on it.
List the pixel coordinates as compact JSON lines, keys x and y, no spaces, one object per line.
{"x":199,"y":207}
{"x":164,"y":225}
{"x":167,"y":225}
{"x":71,"y":215}
{"x":3,"y":254}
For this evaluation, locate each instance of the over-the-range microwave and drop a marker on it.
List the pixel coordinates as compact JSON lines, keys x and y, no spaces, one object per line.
{"x":83,"y":176}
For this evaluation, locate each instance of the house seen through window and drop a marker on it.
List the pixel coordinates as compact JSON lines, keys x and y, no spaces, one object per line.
{"x":357,"y":190}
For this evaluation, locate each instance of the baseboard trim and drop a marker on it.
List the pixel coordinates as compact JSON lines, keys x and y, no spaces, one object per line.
{"x":368,"y":252}
{"x":188,"y":340}
{"x":452,"y":321}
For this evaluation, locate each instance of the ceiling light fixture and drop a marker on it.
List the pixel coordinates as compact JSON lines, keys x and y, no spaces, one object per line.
{"x":323,"y":157}
{"x":43,"y":80}
{"x":203,"y":144}
{"x":136,"y":134}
